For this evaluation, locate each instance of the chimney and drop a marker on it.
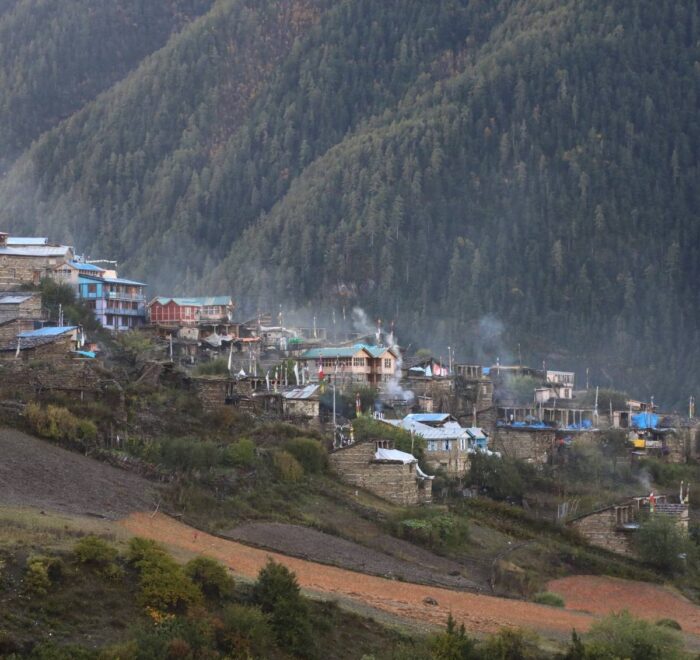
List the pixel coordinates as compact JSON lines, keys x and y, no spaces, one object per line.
{"x":3,"y":239}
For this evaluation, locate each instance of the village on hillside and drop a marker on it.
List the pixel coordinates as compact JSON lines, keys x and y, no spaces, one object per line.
{"x":301,"y":375}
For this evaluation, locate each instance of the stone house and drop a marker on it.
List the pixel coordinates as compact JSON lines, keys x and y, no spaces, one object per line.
{"x":302,"y":402}
{"x":531,"y":444}
{"x":44,"y":342}
{"x":613,"y":527}
{"x":388,"y":473}
{"x":29,"y":264}
{"x":20,"y":305}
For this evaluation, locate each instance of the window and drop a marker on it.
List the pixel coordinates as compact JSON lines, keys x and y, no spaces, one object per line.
{"x":358,"y":362}
{"x":387,"y":363}
{"x":92,"y":288}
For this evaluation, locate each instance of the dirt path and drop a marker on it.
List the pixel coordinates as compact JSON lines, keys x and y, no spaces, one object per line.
{"x":600,"y":595}
{"x":479,"y":613}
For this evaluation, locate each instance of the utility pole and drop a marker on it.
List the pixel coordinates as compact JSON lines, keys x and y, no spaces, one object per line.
{"x":586,"y":378}
{"x":335,"y":374}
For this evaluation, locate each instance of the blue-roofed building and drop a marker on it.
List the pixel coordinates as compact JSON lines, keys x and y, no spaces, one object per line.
{"x":118,"y":303}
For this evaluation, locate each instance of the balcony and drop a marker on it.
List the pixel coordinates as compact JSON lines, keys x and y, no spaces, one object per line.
{"x":117,"y":295}
{"x":125,"y":312}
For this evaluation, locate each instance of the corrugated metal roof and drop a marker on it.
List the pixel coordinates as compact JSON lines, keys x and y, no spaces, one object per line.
{"x":26,"y":240}
{"x":301,"y":392}
{"x":394,"y":455}
{"x":13,"y":300}
{"x":48,"y":332}
{"x":112,"y":280}
{"x":429,"y":417}
{"x":83,"y":266}
{"x":346,"y":351}
{"x":333,"y":352}
{"x":451,"y":430}
{"x":38,"y":251}
{"x":196,"y":301}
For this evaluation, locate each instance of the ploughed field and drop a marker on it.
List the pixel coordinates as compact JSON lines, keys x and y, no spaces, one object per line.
{"x":40,"y":474}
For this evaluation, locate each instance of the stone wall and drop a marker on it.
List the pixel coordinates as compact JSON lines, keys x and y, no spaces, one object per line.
{"x":301,"y":407}
{"x":28,"y":380}
{"x":533,"y":445}
{"x":454,"y":462}
{"x":27,"y":309}
{"x":393,"y":481}
{"x":601,"y":529}
{"x":10,"y":329}
{"x":16,"y":270}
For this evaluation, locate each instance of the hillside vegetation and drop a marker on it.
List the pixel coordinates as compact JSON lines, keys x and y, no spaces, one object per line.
{"x":528,"y":161}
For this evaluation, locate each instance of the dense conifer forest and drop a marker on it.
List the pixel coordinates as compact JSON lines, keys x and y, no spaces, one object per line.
{"x":461,"y":167}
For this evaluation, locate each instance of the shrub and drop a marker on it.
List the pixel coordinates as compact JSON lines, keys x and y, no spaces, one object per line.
{"x":669,"y":623}
{"x":211,"y":577}
{"x":218,"y":367}
{"x":310,"y":454}
{"x":548,"y":598}
{"x":240,"y":454}
{"x":58,"y":423}
{"x":435,"y":530}
{"x":511,"y":644}
{"x":498,"y":476}
{"x":246,"y":632}
{"x":189,"y":454}
{"x":277,"y":592}
{"x":453,"y":644}
{"x":286,"y":466}
{"x":660,"y":542}
{"x":622,"y":636}
{"x":96,"y":552}
{"x":164,"y":586}
{"x":41,"y":572}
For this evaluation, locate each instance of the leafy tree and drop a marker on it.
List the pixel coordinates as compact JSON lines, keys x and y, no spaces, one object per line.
{"x":498,"y":476}
{"x":211,"y":577}
{"x":277,"y":593}
{"x":660,"y":542}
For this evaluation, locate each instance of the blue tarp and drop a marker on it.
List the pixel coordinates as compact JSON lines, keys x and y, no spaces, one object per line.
{"x":585,"y":424}
{"x":645,"y":420}
{"x":524,"y":425}
{"x":486,"y":370}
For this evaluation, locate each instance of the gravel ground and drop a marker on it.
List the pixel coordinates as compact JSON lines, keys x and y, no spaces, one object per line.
{"x":401,"y":560}
{"x":37,"y":473}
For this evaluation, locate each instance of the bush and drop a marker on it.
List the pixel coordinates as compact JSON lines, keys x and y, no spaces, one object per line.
{"x":500,"y":477}
{"x":548,"y":598}
{"x":164,"y":586}
{"x":211,"y":577}
{"x":58,"y":423}
{"x":240,"y":454}
{"x":41,"y":572}
{"x":218,"y":367}
{"x":189,"y":454}
{"x":366,"y":428}
{"x":277,"y":592}
{"x":96,"y":552}
{"x":286,"y":466}
{"x":310,"y":454}
{"x":511,"y":644}
{"x":246,"y":632}
{"x":453,"y":644}
{"x":669,"y":623}
{"x":435,"y":530}
{"x":660,"y":542}
{"x":623,"y":636}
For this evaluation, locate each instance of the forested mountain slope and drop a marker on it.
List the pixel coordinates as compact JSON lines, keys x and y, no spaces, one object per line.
{"x":56,"y":56}
{"x":531,"y":161}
